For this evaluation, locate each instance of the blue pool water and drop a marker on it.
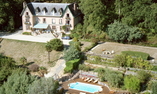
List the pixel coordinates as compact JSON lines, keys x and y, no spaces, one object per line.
{"x":85,"y":87}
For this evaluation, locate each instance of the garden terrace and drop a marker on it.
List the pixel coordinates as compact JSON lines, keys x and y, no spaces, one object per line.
{"x":118,"y":48}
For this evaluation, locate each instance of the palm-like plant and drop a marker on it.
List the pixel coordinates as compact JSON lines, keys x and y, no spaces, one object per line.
{"x":48,"y":49}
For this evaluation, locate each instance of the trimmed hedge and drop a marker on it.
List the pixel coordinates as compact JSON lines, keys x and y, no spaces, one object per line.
{"x":71,"y":65}
{"x":142,"y":55}
{"x":26,"y":33}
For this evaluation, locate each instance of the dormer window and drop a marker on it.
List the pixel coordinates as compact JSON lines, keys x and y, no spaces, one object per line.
{"x":37,"y":10}
{"x":44,"y":10}
{"x":53,"y":11}
{"x":60,"y":11}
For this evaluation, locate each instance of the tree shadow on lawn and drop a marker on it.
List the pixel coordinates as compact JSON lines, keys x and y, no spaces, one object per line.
{"x":66,"y":47}
{"x":27,"y":64}
{"x":150,"y":58}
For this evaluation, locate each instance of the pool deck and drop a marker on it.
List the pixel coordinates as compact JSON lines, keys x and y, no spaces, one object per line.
{"x":72,"y":91}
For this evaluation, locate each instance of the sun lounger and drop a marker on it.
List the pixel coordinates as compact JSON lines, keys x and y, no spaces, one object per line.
{"x":83,"y":78}
{"x":95,"y":81}
{"x":86,"y":79}
{"x":82,"y":93}
{"x":90,"y":80}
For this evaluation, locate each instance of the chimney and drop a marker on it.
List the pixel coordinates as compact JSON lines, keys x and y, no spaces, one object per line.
{"x":75,"y":7}
{"x":24,"y":4}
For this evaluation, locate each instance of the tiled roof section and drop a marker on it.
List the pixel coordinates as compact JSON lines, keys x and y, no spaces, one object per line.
{"x":34,"y":6}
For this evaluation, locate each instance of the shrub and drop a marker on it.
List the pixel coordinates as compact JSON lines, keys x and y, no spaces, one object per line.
{"x":84,"y":67}
{"x":99,"y":60}
{"x":71,"y":65}
{"x":114,"y":78}
{"x":154,"y":68}
{"x":90,"y":47}
{"x":124,"y":60}
{"x":72,"y":53}
{"x":34,"y":68}
{"x":75,"y":43}
{"x":68,"y":69}
{"x":23,"y":60}
{"x":132,"y":83}
{"x":144,"y":56}
{"x":154,"y":85}
{"x":26,"y":33}
{"x":42,"y":68}
{"x":143,"y":76}
{"x":95,"y":40}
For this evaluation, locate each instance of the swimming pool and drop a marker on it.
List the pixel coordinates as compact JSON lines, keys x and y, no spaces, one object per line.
{"x":85,"y":87}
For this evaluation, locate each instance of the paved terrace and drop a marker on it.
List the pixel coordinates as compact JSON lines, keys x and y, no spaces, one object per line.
{"x":39,"y":38}
{"x":72,"y":91}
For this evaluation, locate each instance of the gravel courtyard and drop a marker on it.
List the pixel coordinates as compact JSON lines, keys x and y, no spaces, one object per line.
{"x":118,"y":47}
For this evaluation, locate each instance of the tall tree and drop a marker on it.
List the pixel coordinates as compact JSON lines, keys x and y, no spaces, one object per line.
{"x":10,"y":14}
{"x":17,"y":83}
{"x":43,"y":86}
{"x":7,"y":65}
{"x":48,"y":49}
{"x":54,"y":44}
{"x":94,"y":16}
{"x":137,"y":13}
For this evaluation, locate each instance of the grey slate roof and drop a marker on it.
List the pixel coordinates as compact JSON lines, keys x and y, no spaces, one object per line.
{"x":48,"y":8}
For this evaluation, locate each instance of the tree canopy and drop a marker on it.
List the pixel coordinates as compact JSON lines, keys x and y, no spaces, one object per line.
{"x":121,"y":32}
{"x":43,"y":86}
{"x":137,"y":12}
{"x":55,"y":44}
{"x":72,"y":53}
{"x":94,"y":18}
{"x":17,"y":83}
{"x":10,"y":14}
{"x":132,"y":84}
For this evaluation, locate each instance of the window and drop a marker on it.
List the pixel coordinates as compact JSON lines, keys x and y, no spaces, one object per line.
{"x":53,"y":21}
{"x":37,"y":20}
{"x":60,"y":27}
{"x":60,"y":21}
{"x":60,"y":11}
{"x":44,"y":10}
{"x":67,"y":22}
{"x":27,"y":16}
{"x":53,"y":27}
{"x":67,"y":15}
{"x":37,"y":10}
{"x":44,"y":20}
{"x":26,"y":13}
{"x":53,"y":11}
